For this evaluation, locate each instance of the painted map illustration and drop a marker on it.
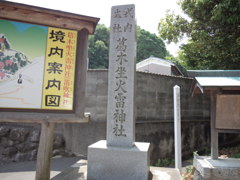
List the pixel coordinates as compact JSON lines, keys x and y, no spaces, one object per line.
{"x":37,"y":66}
{"x":21,"y":64}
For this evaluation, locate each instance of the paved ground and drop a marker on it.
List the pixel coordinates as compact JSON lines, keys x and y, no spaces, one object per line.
{"x":26,"y":170}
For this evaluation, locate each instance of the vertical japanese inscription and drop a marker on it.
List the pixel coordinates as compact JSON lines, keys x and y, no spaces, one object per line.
{"x":59,"y":69}
{"x":121,"y":124}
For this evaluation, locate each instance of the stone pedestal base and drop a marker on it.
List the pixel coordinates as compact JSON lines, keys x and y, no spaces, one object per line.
{"x":108,"y":163}
{"x":220,"y":169}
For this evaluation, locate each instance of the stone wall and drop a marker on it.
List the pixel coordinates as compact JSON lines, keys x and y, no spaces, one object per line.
{"x":19,"y":142}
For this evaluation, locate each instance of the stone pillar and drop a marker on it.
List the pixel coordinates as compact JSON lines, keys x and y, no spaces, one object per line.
{"x":177,"y":128}
{"x":120,"y":157}
{"x":121,"y":77}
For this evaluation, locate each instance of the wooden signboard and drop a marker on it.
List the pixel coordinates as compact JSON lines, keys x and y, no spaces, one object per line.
{"x":43,"y":63}
{"x":43,"y":60}
{"x":228,"y":112}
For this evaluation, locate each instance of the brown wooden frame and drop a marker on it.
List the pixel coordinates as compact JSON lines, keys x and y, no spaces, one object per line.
{"x":84,"y":25}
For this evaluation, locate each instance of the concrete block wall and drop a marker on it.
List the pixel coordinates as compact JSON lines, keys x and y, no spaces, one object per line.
{"x":153,"y":96}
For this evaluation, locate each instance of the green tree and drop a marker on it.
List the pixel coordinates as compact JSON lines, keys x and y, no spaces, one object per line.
{"x":14,"y":68}
{"x":213,"y":29}
{"x":177,"y":63}
{"x":98,"y":48}
{"x":23,"y":63}
{"x":149,"y":44}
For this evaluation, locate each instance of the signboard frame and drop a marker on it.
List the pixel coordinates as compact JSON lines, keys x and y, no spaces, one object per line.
{"x":84,"y":26}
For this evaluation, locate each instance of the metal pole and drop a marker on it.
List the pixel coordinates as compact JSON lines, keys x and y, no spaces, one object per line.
{"x":177,"y":128}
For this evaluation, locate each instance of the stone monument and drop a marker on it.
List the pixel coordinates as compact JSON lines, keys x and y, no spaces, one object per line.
{"x":120,"y":157}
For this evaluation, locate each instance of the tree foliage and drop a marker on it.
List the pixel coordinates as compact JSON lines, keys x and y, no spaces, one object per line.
{"x":98,"y":48}
{"x":147,"y":44}
{"x":213,"y":28}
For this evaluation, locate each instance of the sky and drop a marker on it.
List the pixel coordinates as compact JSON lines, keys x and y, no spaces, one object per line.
{"x":148,"y":13}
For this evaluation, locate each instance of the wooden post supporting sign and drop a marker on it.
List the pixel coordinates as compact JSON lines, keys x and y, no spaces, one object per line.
{"x":45,"y":151}
{"x":214,"y":132}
